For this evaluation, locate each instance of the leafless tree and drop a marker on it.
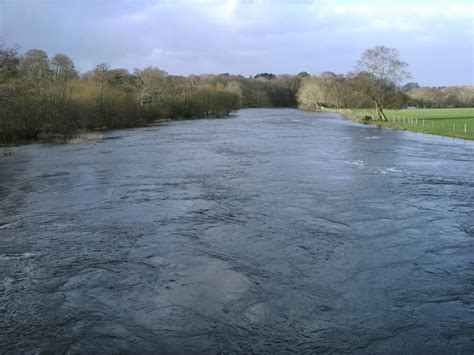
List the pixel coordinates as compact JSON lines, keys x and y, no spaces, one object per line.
{"x":34,"y":66}
{"x":62,"y":67}
{"x":152,"y":84}
{"x":377,"y":71}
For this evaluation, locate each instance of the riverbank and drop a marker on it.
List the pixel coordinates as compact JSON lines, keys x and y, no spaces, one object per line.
{"x":83,"y":135}
{"x":457,"y":122}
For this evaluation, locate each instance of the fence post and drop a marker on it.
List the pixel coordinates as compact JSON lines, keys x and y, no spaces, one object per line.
{"x":423,"y":123}
{"x":465,"y":127}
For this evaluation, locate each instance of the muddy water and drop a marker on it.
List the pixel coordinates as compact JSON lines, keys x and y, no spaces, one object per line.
{"x":271,"y":231}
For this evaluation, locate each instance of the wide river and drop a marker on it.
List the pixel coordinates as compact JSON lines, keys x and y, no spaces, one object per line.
{"x":274,"y":230}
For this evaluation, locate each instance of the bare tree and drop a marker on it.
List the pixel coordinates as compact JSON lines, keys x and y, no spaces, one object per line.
{"x":324,"y":90}
{"x":99,"y":74}
{"x":313,"y":94}
{"x":34,"y":65}
{"x":384,"y":64}
{"x":152,"y":84}
{"x":63,"y":67}
{"x":378,"y":70}
{"x":9,"y":62}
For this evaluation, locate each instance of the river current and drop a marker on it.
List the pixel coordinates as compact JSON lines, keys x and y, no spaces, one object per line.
{"x":274,"y":230}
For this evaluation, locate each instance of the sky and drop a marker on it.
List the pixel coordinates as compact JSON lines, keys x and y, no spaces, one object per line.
{"x":436,"y":38}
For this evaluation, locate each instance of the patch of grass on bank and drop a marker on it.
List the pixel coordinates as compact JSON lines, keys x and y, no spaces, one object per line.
{"x":451,"y":122}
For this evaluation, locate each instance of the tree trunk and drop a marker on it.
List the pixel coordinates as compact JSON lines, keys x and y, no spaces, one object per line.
{"x":379,"y":111}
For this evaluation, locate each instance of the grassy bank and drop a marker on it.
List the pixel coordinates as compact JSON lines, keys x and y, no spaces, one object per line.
{"x":450,"y":122}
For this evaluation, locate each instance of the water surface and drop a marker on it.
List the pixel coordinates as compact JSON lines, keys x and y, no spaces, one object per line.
{"x":275,"y":230}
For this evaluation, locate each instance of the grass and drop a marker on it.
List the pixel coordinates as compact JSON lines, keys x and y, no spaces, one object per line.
{"x":86,"y":137}
{"x":450,"y":122}
{"x":6,"y":152}
{"x":80,"y":138}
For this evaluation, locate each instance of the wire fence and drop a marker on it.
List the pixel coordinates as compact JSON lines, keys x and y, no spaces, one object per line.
{"x":439,"y":124}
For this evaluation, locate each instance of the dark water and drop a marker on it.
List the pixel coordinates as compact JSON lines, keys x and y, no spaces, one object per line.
{"x":272,"y":231}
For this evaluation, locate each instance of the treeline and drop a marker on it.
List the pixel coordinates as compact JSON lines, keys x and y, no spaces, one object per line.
{"x":330,"y":90}
{"x":354,"y":90}
{"x":40,"y":94}
{"x":439,"y":97}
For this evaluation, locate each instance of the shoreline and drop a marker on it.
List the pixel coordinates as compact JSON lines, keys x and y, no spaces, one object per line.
{"x":75,"y":137}
{"x":356,"y":116}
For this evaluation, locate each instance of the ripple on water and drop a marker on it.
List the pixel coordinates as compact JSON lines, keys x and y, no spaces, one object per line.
{"x":16,"y":256}
{"x":205,"y":285}
{"x":253,"y":234}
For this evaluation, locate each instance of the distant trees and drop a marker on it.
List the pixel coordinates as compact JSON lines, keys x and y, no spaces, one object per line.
{"x":63,"y":68}
{"x":314,"y":94}
{"x":34,"y":66}
{"x":409,"y":86}
{"x":375,"y":82}
{"x":208,"y":100}
{"x":282,"y":90}
{"x":9,"y":63}
{"x":152,"y":85}
{"x":431,"y":97}
{"x":279,"y":91}
{"x":266,"y":76}
{"x":328,"y":90}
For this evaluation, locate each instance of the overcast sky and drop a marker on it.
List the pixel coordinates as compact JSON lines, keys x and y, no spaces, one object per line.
{"x":435,"y":37}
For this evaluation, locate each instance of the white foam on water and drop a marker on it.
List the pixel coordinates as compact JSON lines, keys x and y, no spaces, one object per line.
{"x":387,"y":170}
{"x":5,"y":226}
{"x":358,"y":163}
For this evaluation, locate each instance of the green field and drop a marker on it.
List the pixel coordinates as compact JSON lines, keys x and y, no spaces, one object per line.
{"x":451,"y":122}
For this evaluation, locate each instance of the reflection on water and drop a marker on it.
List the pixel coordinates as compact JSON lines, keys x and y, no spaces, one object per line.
{"x":275,"y":230}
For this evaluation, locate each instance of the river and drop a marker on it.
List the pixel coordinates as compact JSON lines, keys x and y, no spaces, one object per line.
{"x":274,"y":230}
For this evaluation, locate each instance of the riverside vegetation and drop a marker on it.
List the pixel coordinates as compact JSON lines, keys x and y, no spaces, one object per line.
{"x":376,"y":83}
{"x":43,"y":97}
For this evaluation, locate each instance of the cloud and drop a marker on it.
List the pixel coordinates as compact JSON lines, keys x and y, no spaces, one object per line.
{"x":404,"y":16}
{"x":246,"y":36}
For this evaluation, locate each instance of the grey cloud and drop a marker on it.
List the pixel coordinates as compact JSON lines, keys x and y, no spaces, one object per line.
{"x":202,"y":36}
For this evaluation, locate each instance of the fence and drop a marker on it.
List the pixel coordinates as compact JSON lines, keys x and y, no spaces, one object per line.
{"x":426,"y":124}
